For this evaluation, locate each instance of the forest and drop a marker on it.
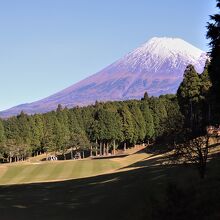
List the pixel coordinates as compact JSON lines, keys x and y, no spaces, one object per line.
{"x":103,"y":127}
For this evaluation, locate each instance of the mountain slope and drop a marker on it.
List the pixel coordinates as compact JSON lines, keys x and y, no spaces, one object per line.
{"x":156,"y":67}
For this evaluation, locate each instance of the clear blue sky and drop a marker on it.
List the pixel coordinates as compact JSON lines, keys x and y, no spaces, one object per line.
{"x":47,"y":45}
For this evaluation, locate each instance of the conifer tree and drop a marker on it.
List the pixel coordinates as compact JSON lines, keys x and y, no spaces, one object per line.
{"x":2,"y":140}
{"x":148,"y":118}
{"x":189,"y":96}
{"x":127,"y":125}
{"x":214,"y":69}
{"x":139,"y":123}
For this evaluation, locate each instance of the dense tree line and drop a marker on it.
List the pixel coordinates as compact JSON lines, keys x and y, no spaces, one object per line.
{"x":102,"y":127}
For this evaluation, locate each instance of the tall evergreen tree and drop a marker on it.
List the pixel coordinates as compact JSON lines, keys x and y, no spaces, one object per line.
{"x":139,"y":123}
{"x":159,"y":114}
{"x":214,"y":69}
{"x":127,"y":125}
{"x":37,"y":127}
{"x":62,"y":133}
{"x":2,"y":140}
{"x":189,"y":96}
{"x":2,"y":133}
{"x":49,"y":139}
{"x":205,"y":98}
{"x":148,"y":118}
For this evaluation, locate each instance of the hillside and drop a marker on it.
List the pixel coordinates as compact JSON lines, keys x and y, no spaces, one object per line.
{"x":156,"y":67}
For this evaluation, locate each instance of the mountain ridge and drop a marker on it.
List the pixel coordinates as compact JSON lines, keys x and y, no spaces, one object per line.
{"x":157,"y":67}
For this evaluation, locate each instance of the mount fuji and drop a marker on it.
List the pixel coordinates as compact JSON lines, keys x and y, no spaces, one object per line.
{"x":156,"y":67}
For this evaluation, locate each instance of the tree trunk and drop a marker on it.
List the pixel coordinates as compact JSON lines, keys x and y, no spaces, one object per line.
{"x":107,"y":149}
{"x":191,"y":114}
{"x":96,"y":150}
{"x":100,"y":151}
{"x":114,"y":147}
{"x":71,"y":153}
{"x":91,"y":151}
{"x":104,"y":150}
{"x":83,"y":155}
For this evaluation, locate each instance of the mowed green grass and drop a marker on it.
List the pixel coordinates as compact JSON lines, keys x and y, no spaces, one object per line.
{"x":62,"y":170}
{"x":146,"y":189}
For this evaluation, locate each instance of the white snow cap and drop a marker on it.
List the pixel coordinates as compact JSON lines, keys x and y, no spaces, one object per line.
{"x":161,"y":53}
{"x":166,"y":45}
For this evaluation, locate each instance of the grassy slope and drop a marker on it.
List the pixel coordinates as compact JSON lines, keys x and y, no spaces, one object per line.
{"x":61,"y":170}
{"x":142,"y":190}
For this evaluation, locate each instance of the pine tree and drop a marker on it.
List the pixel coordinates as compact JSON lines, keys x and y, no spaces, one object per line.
{"x":189,"y":96}
{"x":2,"y":133}
{"x":78,"y":138}
{"x":206,"y":99}
{"x":214,"y":69}
{"x":36,"y":126}
{"x":148,"y":118}
{"x":62,"y":133}
{"x":2,"y":140}
{"x":49,"y":129}
{"x":127,"y":125}
{"x":139,"y":123}
{"x":146,"y":97}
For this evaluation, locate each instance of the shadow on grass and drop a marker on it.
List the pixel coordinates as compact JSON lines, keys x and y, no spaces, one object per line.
{"x":123,"y":195}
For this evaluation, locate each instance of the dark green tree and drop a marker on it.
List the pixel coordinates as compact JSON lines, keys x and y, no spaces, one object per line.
{"x":2,"y":141}
{"x":189,"y":96}
{"x":48,"y":139}
{"x":214,"y":69}
{"x":138,"y":122}
{"x":148,"y":118}
{"x":62,"y":132}
{"x":37,"y":128}
{"x":146,"y":97}
{"x":127,"y":126}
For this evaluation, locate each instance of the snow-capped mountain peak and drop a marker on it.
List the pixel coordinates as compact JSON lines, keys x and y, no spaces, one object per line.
{"x":164,"y":45}
{"x":157,"y":67}
{"x":158,"y":53}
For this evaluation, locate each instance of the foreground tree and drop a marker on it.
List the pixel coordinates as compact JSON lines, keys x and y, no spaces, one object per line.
{"x":194,"y":151}
{"x":214,"y":35}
